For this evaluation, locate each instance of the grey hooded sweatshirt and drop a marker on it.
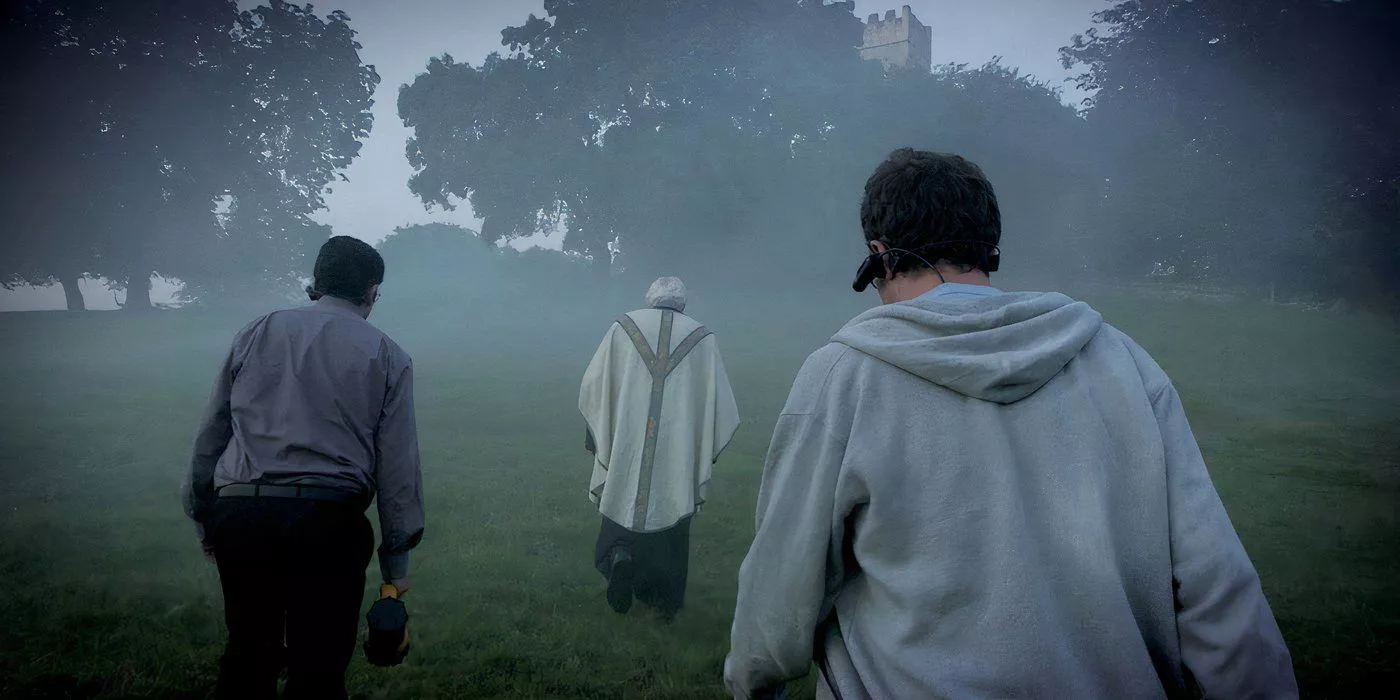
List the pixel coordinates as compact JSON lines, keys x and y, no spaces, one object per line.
{"x":997,"y":497}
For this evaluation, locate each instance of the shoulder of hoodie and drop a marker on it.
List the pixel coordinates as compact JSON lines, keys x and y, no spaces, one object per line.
{"x":816,"y":376}
{"x":1154,"y":378}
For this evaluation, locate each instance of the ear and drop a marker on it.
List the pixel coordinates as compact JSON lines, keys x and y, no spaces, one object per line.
{"x":877,"y":247}
{"x":372,"y":295}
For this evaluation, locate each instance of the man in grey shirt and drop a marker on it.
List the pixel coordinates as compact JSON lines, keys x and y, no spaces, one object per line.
{"x":311,"y":418}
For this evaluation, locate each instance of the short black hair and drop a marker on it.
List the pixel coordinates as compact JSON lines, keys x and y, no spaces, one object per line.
{"x":918,"y":199}
{"x":346,"y":268}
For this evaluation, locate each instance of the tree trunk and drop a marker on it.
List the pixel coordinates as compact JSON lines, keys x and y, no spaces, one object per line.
{"x":138,"y":293}
{"x":73,"y":293}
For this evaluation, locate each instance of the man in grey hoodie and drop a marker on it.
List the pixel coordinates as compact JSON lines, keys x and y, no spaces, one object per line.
{"x":973,"y":493}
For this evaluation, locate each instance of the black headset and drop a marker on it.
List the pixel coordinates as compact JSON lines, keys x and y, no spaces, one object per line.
{"x":874,"y":266}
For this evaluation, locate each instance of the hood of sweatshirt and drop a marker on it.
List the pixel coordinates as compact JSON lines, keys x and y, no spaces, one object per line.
{"x":999,"y":348}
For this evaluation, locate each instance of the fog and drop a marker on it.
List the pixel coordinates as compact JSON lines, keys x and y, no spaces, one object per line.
{"x":1221,"y":181}
{"x":398,"y":38}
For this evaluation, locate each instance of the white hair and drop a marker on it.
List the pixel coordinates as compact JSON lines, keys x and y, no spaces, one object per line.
{"x":667,"y":293}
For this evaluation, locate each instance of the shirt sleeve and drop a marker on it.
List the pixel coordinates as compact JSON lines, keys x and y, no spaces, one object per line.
{"x":793,"y":570}
{"x":398,"y":478}
{"x":215,"y":431}
{"x":1230,"y":642}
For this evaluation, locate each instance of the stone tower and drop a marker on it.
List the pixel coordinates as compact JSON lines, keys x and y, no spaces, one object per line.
{"x":898,"y":42}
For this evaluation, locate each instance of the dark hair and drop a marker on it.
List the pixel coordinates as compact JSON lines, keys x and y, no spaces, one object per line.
{"x":346,"y":268}
{"x":918,"y":199}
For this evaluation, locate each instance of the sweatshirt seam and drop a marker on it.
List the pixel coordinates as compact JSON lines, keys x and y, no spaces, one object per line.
{"x":905,"y":370}
{"x":826,"y":381}
{"x":1153,"y":394}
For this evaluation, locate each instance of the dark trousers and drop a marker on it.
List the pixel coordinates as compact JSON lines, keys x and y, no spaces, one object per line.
{"x":293,"y":574}
{"x":661,"y":561}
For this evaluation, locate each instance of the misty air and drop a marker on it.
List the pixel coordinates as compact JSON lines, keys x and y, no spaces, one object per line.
{"x":700,"y":349}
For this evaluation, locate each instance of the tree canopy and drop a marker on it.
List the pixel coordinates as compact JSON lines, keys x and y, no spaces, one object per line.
{"x":625,"y":117}
{"x":1253,"y":141}
{"x":130,"y":121}
{"x":682,"y":133}
{"x":1249,"y":143}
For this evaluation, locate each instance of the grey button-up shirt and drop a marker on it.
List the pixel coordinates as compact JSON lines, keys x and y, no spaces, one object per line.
{"x":316,"y":396}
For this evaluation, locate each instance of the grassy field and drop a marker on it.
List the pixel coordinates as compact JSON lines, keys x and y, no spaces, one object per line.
{"x":105,"y":593}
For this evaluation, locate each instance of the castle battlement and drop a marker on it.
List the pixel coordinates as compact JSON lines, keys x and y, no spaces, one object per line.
{"x":898,"y":41}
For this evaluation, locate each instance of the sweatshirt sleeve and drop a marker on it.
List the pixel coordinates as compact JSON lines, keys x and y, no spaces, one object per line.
{"x":1230,"y":641}
{"x":399,"y":478}
{"x":790,"y":577}
{"x":215,"y":431}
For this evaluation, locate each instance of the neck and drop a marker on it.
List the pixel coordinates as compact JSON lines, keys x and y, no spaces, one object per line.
{"x":921,"y":282}
{"x":362,"y":310}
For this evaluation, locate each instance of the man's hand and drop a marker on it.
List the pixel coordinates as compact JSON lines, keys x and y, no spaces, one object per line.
{"x":204,"y":542}
{"x":402,"y":584}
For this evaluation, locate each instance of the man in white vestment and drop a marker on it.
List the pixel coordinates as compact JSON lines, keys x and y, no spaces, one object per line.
{"x":659,"y":412}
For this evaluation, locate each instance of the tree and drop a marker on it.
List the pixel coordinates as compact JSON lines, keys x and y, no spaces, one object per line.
{"x":560,"y":130}
{"x":724,"y":139}
{"x":304,"y":99}
{"x":424,"y":259}
{"x":112,"y":117}
{"x":136,"y":116}
{"x":1251,"y":139}
{"x":59,"y":131}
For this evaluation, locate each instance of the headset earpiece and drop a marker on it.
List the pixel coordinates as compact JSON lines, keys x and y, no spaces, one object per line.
{"x":872,"y":267}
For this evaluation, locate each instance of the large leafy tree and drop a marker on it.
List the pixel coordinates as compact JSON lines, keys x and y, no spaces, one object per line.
{"x":132,"y":119}
{"x":686,"y":133}
{"x":304,"y":98}
{"x":1251,"y":141}
{"x":425,"y":260}
{"x":1034,"y":149}
{"x":626,"y":120}
{"x":84,"y":171}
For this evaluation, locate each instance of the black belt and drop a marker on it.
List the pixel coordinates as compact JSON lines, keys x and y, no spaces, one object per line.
{"x":318,"y":493}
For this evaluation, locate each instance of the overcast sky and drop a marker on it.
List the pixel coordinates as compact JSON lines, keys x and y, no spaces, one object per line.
{"x":399,"y":37}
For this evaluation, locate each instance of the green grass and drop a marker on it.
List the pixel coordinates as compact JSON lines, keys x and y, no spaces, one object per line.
{"x":105,"y":593}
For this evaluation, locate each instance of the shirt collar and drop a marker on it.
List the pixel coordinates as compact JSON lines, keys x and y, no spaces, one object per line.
{"x":337,"y":305}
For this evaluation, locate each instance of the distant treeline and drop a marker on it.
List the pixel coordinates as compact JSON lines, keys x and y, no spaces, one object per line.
{"x":1245,"y":145}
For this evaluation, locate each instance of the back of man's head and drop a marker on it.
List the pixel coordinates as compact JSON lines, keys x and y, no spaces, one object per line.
{"x":667,"y":293}
{"x":347,"y":268}
{"x":917,"y":200}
